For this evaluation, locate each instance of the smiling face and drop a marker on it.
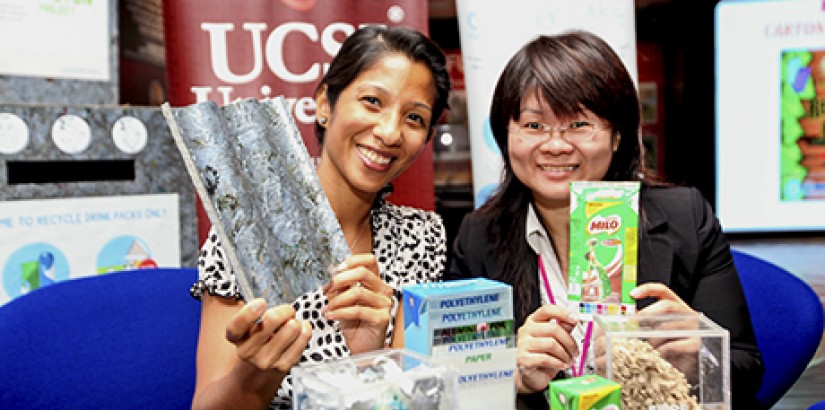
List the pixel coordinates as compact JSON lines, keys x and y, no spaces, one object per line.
{"x":377,"y":127}
{"x":547,"y":166}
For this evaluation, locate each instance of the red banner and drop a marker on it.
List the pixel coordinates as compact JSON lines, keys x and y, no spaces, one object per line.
{"x":222,"y":50}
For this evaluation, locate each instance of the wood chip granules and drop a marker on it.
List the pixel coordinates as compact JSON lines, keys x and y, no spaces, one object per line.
{"x":648,"y":381}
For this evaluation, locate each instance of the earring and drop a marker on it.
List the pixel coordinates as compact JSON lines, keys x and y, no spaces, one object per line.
{"x":322,"y":120}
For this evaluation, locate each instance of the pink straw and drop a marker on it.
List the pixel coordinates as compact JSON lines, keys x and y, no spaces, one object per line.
{"x":588,"y":331}
{"x":585,"y":346}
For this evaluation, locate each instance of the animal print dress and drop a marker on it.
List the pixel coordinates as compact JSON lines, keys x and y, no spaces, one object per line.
{"x":409,"y":244}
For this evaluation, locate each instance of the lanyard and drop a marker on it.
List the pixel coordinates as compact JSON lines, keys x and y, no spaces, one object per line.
{"x":588,"y":330}
{"x":546,"y":281}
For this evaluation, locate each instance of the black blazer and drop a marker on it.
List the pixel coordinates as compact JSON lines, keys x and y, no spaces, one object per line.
{"x":681,"y":244}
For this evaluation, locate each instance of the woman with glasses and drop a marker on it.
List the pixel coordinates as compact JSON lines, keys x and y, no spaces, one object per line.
{"x":565,"y":109}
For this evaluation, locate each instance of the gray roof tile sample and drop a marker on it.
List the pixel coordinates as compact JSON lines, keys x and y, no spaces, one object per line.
{"x":260,"y":190}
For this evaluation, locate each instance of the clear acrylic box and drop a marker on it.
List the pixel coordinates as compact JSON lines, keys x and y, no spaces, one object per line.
{"x":383,"y":379}
{"x":676,"y":361}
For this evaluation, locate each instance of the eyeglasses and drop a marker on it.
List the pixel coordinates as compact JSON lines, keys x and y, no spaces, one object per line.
{"x":574,"y":132}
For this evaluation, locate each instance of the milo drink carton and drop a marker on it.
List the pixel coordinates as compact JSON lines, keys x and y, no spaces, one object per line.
{"x":591,"y":392}
{"x":604,"y":223}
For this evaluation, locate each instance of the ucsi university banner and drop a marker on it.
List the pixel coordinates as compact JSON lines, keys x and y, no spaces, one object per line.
{"x":223,"y":50}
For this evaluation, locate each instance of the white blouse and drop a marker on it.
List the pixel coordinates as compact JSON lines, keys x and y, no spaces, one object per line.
{"x":539,"y":241}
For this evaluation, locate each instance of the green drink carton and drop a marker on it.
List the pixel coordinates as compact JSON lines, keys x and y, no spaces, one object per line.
{"x":591,"y":392}
{"x":604,"y":224}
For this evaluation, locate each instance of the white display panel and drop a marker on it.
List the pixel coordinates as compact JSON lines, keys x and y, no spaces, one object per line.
{"x":55,"y":39}
{"x":770,"y":150}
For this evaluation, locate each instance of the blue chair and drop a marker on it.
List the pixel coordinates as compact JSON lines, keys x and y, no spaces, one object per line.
{"x":818,"y":406}
{"x":787,"y":318}
{"x":123,"y":340}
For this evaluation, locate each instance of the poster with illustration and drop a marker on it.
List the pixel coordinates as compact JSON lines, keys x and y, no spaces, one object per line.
{"x":770,"y":88}
{"x":50,"y":240}
{"x":802,"y":102}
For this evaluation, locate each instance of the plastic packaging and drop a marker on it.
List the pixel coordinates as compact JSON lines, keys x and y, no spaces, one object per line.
{"x":679,"y":361}
{"x":395,"y":379}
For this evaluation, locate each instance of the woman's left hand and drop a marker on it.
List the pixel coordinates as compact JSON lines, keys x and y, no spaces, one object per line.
{"x":667,"y":301}
{"x":679,"y":351}
{"x":361,"y":302}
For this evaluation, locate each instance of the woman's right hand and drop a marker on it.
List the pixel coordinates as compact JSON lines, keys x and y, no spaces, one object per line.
{"x":545,"y":347}
{"x":245,"y":351}
{"x":268,"y":338}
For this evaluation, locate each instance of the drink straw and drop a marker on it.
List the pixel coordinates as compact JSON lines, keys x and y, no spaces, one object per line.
{"x":585,"y":346}
{"x":588,"y":331}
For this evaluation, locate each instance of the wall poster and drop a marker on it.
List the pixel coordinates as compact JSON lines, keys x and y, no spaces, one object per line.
{"x":51,"y":240}
{"x":770,"y":114}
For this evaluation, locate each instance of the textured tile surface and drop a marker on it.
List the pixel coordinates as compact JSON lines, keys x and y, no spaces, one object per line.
{"x":261,"y":191}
